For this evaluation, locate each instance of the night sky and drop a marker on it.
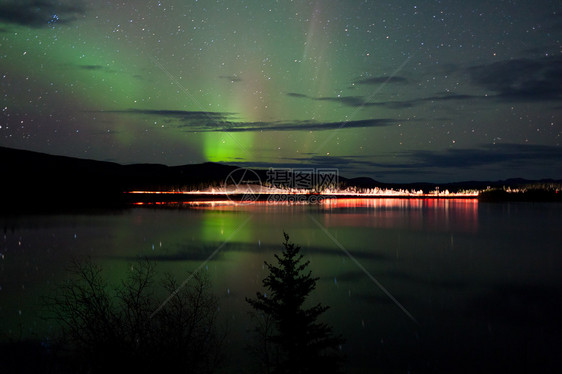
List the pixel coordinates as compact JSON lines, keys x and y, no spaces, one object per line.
{"x":400,"y":91}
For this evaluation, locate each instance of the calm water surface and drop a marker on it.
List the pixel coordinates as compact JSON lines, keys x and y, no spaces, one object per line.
{"x":474,"y":287}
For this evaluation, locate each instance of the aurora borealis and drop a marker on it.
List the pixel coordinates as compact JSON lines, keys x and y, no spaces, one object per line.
{"x":400,"y":91}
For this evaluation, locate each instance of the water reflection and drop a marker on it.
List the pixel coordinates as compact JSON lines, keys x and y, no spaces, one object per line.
{"x":418,"y":214}
{"x":479,"y":278}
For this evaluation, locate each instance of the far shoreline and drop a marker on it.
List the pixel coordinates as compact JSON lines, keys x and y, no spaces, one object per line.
{"x":147,"y":197}
{"x":137,"y":198}
{"x":85,"y":203}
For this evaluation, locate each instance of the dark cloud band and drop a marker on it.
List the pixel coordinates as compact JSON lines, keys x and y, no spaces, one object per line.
{"x":521,"y":79}
{"x":40,"y":13}
{"x":200,"y":121}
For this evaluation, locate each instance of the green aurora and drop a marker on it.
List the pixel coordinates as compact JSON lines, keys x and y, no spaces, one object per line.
{"x":397,"y":91}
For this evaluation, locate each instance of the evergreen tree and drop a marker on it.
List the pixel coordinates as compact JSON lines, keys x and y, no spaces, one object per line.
{"x":301,"y":344}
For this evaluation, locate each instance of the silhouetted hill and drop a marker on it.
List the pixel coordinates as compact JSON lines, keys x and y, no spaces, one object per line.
{"x":362,"y":182}
{"x":33,"y":179}
{"x":36,"y":179}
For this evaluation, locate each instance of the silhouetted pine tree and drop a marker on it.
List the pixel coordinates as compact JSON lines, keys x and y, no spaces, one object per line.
{"x":300,"y":343}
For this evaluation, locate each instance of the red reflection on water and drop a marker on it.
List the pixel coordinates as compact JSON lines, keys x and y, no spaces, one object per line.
{"x":430,"y":214}
{"x":424,"y":214}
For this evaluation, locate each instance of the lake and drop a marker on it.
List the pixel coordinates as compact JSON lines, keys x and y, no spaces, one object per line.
{"x":420,"y":285}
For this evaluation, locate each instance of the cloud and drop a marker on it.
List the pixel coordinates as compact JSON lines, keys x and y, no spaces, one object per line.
{"x":383,"y":80}
{"x":302,"y":125}
{"x":511,"y":155}
{"x":499,"y":154}
{"x":199,"y":121}
{"x":349,"y":164}
{"x":448,"y":97}
{"x":524,"y":79}
{"x":344,"y":161}
{"x":93,"y":68}
{"x":354,"y":101}
{"x":363,"y":102}
{"x":40,"y":13}
{"x":521,"y":79}
{"x":487,"y":161}
{"x":231,"y":78}
{"x":186,"y":115}
{"x":297,"y":95}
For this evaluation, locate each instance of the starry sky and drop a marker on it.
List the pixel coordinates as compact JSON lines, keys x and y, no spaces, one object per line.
{"x":400,"y":91}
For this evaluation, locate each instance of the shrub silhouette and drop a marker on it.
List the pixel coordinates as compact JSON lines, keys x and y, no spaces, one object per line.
{"x":119,"y":330}
{"x":293,"y":341}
